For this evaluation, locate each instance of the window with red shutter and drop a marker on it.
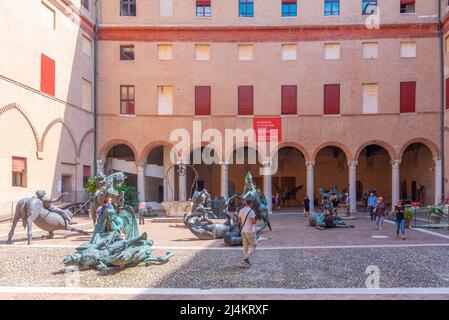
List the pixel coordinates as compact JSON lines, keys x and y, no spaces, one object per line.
{"x":246,"y":100}
{"x":332,"y":99}
{"x":19,"y":172}
{"x":202,"y":100}
{"x":289,"y":99}
{"x":47,"y":75}
{"x":408,"y":97}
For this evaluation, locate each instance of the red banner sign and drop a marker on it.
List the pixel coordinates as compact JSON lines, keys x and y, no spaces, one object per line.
{"x":272,"y":128}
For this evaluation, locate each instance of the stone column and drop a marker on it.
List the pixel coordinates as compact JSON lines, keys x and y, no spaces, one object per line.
{"x":438,"y":181}
{"x":182,"y":183}
{"x":224,"y":180}
{"x":395,"y":188}
{"x":100,"y":166}
{"x":353,"y":186}
{"x":267,"y":186}
{"x":141,"y":181}
{"x":170,"y":181}
{"x":310,"y":184}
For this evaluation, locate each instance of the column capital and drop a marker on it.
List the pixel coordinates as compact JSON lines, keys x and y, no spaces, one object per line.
{"x":437,"y":158}
{"x":224,"y":163}
{"x":353,"y":163}
{"x":141,"y":165}
{"x":396,"y":162}
{"x":310,"y":163}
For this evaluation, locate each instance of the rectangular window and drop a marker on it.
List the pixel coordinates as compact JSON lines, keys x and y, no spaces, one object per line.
{"x":408,"y":49}
{"x":86,"y":45}
{"x":246,"y":100}
{"x":128,"y":8}
{"x":203,"y":8}
{"x":369,"y":7}
{"x":86,"y":95}
{"x":48,"y":16}
{"x":289,"y":8}
{"x":289,"y":52}
{"x":47,"y":75}
{"x":87,"y":173}
{"x":165,"y":52}
{"x":289,"y":100}
{"x":165,"y":8}
{"x":126,"y":52}
{"x":165,"y":100}
{"x":331,"y":51}
{"x":331,"y":7}
{"x":85,"y":4}
{"x":246,"y":52}
{"x":370,"y":50}
{"x":408,"y":97}
{"x":370,"y":98}
{"x":202,"y":52}
{"x":202,"y":100}
{"x":19,"y":172}
{"x":246,"y":8}
{"x":331,"y":99}
{"x":407,"y":6}
{"x":127,"y":99}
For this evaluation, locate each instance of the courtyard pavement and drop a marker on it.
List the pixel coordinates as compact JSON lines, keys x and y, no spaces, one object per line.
{"x":294,"y":261}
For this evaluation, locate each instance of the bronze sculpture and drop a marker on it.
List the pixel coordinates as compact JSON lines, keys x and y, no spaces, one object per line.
{"x":41,"y":211}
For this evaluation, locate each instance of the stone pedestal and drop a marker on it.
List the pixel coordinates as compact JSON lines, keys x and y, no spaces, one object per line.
{"x":344,"y":212}
{"x":177,"y":208}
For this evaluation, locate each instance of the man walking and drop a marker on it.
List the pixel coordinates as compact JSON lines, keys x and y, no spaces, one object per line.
{"x":247,"y":222}
{"x":372,"y":202}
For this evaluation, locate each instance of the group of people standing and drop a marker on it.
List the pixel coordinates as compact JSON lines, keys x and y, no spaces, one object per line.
{"x":378,"y":212}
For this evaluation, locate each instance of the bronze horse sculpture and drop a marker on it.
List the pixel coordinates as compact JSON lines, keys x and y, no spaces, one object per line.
{"x":31,"y":210}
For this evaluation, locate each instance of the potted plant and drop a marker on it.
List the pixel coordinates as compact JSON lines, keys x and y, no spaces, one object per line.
{"x":408,"y":216}
{"x":436,"y":214}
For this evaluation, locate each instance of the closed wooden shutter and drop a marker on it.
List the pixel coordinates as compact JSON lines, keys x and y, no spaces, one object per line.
{"x":86,"y":171}
{"x":246,"y":100}
{"x":289,"y":100}
{"x":47,"y":75}
{"x":408,"y":97}
{"x":202,"y":100}
{"x":332,"y":99}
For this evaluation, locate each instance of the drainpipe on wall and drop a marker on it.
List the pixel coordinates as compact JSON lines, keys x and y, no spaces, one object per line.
{"x":95,"y":89}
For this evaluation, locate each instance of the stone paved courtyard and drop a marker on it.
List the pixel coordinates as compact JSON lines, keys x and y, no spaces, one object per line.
{"x":294,"y":261}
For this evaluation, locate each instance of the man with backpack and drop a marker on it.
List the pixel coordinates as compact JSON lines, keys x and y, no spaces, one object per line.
{"x":247,"y":222}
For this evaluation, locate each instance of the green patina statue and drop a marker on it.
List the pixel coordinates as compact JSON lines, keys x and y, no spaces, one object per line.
{"x":116,"y":241}
{"x":323,"y":221}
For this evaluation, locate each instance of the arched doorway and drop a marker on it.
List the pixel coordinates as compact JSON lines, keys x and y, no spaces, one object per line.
{"x":290,"y":179}
{"x":374,"y":172}
{"x":244,"y":160}
{"x":122,"y":158}
{"x":331,"y":170}
{"x":209,"y":174}
{"x":417,"y":174}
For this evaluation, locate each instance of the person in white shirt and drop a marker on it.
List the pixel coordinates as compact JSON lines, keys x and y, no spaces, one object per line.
{"x":247,"y":222}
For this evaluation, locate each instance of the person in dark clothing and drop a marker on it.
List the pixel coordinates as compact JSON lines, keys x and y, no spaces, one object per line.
{"x":334,"y":203}
{"x":306,"y":206}
{"x":399,"y":211}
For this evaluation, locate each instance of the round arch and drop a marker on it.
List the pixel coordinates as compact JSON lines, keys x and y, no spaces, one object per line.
{"x":294,"y":145}
{"x":143,"y":155}
{"x":111,"y":143}
{"x":339,"y":145}
{"x":428,"y":143}
{"x":386,"y":146}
